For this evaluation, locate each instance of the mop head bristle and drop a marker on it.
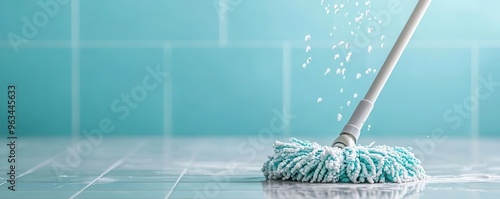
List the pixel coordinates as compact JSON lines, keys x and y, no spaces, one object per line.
{"x":309,"y":162}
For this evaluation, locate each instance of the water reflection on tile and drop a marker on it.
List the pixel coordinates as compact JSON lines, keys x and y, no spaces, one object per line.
{"x":158,"y":167}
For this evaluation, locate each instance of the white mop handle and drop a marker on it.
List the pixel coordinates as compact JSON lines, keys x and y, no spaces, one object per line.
{"x":364,"y":107}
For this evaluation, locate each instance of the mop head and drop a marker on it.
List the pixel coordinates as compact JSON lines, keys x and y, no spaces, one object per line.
{"x":309,"y":162}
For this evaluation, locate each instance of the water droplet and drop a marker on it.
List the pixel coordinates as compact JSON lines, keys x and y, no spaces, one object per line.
{"x":334,"y":27}
{"x":349,"y":103}
{"x":309,"y":60}
{"x":319,"y":100}
{"x":341,"y":43}
{"x":343,"y":71}
{"x":370,"y":48}
{"x":322,"y":1}
{"x":348,"y":57}
{"x":339,"y":117}
{"x":336,"y":57}
{"x":374,"y":70}
{"x":308,"y":48}
{"x":340,"y":107}
{"x":370,"y":29}
{"x":327,"y":71}
{"x":382,"y":45}
{"x":337,"y":11}
{"x":331,"y":34}
{"x":358,"y":75}
{"x":327,"y":11}
{"x":341,"y":64}
{"x":346,"y":14}
{"x":367,"y":3}
{"x":307,"y":38}
{"x":304,"y":65}
{"x":382,"y":37}
{"x":369,"y":127}
{"x":341,"y":5}
{"x":334,"y":46}
{"x":335,"y":6}
{"x":355,"y":95}
{"x":343,"y":77}
{"x":352,"y":33}
{"x":347,"y":45}
{"x":342,"y":90}
{"x":338,"y":71}
{"x":380,"y":21}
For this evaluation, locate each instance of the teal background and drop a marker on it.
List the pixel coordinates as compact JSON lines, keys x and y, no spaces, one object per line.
{"x":233,"y":89}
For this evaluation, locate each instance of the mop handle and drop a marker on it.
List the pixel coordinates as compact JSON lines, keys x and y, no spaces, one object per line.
{"x":365,"y":106}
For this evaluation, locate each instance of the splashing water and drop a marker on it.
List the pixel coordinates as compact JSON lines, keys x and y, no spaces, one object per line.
{"x":327,"y":71}
{"x":319,"y":100}
{"x":339,"y":117}
{"x":348,"y":57}
{"x":307,"y":38}
{"x":368,"y":71}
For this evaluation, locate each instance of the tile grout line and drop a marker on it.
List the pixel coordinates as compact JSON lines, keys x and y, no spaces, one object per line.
{"x":222,"y":23}
{"x":423,"y":44}
{"x":38,"y":166}
{"x":286,"y":84}
{"x":113,"y":166}
{"x":167,"y":90}
{"x":75,"y":70}
{"x":474,"y":85}
{"x":182,"y":174}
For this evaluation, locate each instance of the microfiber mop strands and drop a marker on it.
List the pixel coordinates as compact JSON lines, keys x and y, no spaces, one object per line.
{"x":309,"y":162}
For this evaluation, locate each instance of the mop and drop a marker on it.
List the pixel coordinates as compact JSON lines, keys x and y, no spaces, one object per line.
{"x":344,"y":161}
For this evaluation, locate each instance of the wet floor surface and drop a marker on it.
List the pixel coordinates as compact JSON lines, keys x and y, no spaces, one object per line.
{"x":166,"y":167}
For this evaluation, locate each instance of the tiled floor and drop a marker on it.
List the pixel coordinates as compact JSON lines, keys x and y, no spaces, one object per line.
{"x":161,"y":167}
